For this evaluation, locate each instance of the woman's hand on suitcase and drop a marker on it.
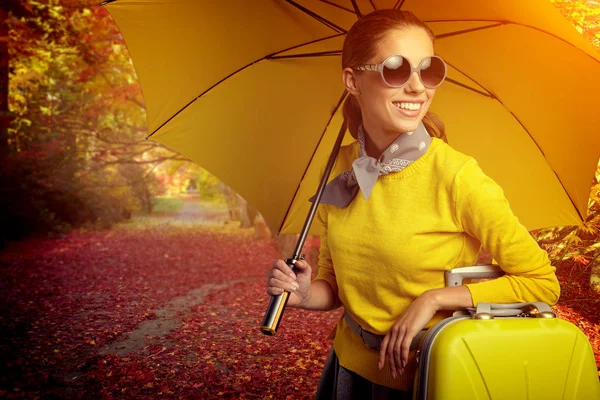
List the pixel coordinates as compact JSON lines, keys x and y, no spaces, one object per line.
{"x":396,"y":344}
{"x":281,"y":278}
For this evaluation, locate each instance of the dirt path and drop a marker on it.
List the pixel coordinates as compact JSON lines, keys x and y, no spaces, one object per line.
{"x":160,"y":307}
{"x":168,"y":318}
{"x":69,"y":303}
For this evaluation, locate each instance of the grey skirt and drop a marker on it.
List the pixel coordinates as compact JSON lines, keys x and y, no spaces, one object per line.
{"x":338,"y":383}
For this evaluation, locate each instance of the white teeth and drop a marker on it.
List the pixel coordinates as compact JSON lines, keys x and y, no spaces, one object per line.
{"x":408,"y":106}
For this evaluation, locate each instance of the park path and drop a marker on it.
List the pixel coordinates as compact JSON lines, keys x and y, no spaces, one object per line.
{"x":195,"y":211}
{"x":161,"y":306}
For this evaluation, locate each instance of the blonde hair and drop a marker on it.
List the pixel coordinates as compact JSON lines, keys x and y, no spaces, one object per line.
{"x":360,"y":46}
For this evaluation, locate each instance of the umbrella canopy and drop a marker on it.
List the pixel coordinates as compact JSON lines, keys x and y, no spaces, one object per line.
{"x":252,"y":92}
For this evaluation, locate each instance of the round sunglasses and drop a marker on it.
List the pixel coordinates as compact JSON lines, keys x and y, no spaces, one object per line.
{"x":397,"y":70}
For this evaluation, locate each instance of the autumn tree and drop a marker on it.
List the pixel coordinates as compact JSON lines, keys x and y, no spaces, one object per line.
{"x":76,"y":150}
{"x":570,"y":245}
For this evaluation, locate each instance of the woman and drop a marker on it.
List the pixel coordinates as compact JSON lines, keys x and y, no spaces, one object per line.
{"x":423,"y":208}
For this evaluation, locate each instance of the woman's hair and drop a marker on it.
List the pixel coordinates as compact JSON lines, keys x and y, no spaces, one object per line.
{"x":360,"y":46}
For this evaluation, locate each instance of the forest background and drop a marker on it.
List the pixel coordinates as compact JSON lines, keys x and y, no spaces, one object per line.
{"x":74,"y":154}
{"x":73,"y":148}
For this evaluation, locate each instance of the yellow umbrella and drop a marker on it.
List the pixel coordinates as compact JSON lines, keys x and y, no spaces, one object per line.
{"x":251,"y":91}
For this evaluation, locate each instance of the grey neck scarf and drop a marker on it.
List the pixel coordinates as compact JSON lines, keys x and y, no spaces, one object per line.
{"x":406,"y":149}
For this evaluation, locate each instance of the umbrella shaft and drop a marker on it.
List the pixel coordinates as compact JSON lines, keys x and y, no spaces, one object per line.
{"x":277,"y":304}
{"x":320,"y":190}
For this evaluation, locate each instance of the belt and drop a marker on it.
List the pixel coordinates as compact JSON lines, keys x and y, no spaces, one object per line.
{"x":373,"y":340}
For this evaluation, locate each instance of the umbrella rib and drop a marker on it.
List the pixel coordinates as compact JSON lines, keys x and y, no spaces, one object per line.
{"x":457,"y":83}
{"x":495,"y":97}
{"x":502,"y":23}
{"x":356,"y":9}
{"x":541,"y":151}
{"x":274,"y":55}
{"x":337,"y":106}
{"x":337,"y":5}
{"x":373,"y":4}
{"x":487,"y":92}
{"x":399,"y":4}
{"x":303,"y":55}
{"x":316,"y":16}
{"x":445,"y":35}
{"x":234,"y":73}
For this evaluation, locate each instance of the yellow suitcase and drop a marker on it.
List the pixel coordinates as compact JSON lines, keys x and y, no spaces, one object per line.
{"x":505,"y":351}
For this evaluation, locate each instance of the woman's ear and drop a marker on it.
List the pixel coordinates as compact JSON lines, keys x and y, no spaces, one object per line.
{"x":349,"y":78}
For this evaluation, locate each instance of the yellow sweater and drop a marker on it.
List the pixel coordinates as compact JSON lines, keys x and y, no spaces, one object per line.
{"x":380,"y":254}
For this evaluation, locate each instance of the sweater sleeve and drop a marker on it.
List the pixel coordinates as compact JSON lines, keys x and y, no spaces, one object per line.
{"x":325,"y":271}
{"x":483,"y":212}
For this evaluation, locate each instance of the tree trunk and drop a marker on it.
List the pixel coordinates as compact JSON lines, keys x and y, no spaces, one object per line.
{"x":595,"y":275}
{"x":246,"y":212}
{"x":5,"y":115}
{"x":231,"y":201}
{"x":261,"y":229}
{"x":147,"y":201}
{"x":239,"y":209}
{"x":286,"y":243}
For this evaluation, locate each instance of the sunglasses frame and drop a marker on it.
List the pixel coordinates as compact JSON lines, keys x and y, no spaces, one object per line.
{"x":379,"y":68}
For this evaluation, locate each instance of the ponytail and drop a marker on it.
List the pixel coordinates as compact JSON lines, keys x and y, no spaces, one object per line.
{"x":435,"y":126}
{"x":352,"y":115}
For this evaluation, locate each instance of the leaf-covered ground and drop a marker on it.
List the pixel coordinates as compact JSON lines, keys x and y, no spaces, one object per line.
{"x":166,"y":308}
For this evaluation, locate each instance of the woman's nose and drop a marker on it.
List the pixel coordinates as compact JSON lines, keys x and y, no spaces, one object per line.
{"x":414,"y":84}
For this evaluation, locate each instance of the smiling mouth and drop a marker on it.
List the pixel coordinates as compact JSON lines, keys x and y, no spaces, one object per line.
{"x":407,"y":105}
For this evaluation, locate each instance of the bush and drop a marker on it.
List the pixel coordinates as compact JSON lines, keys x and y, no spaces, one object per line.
{"x":39,"y":195}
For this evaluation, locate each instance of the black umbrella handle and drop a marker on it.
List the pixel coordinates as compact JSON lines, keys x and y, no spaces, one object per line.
{"x":277,"y":304}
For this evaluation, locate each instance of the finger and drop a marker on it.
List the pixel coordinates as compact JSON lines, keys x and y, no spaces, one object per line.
{"x":394,"y":350}
{"x":280,"y":275}
{"x":398,"y":352}
{"x":390,"y":351}
{"x":382,"y":350}
{"x":408,"y":338}
{"x":276,"y":283}
{"x":274,"y":291}
{"x":302,"y":266}
{"x":283,"y":267}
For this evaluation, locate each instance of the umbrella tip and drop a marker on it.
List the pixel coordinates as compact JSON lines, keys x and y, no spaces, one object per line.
{"x":105,"y":2}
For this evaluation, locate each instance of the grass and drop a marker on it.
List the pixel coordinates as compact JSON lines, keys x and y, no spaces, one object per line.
{"x":167,"y":204}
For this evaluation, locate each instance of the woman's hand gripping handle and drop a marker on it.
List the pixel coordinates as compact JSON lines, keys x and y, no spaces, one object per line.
{"x":282,"y":278}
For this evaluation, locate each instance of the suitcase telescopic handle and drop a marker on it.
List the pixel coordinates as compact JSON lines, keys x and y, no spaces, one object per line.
{"x":491,"y":310}
{"x":455,"y":276}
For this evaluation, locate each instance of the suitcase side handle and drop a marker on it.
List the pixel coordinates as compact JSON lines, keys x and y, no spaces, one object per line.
{"x":455,"y":276}
{"x":491,"y":310}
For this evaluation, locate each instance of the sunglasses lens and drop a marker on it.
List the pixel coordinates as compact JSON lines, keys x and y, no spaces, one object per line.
{"x":433,"y":71}
{"x":396,"y":71}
